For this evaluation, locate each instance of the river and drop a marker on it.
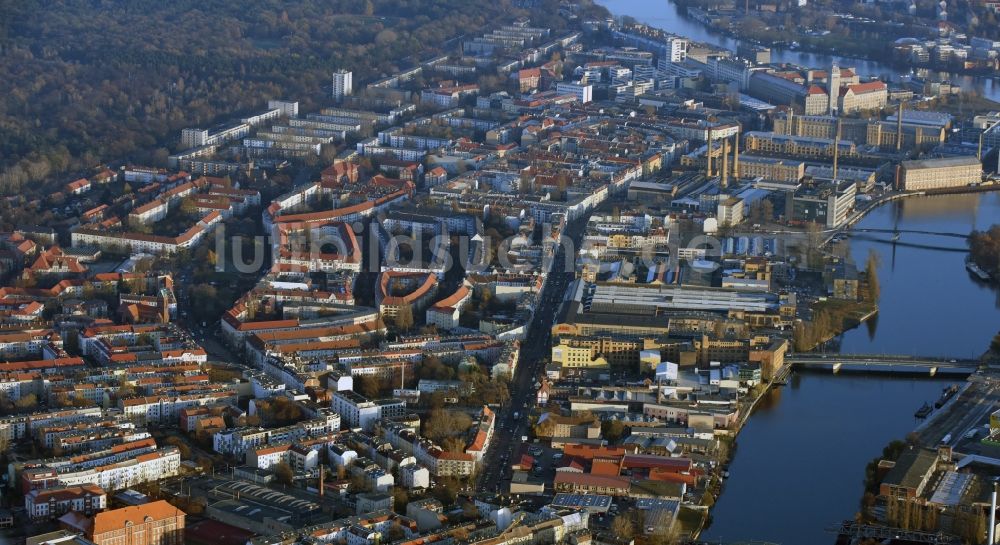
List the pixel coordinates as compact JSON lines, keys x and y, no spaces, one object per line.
{"x":800,"y":461}
{"x":799,"y":464}
{"x":667,"y":15}
{"x":930,"y":305}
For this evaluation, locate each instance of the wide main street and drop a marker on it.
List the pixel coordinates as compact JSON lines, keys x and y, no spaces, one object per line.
{"x":535,"y":348}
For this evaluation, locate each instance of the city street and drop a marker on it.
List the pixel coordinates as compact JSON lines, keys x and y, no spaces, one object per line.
{"x":535,"y":349}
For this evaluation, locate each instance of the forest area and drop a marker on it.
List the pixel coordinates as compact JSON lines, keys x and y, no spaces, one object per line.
{"x":984,"y":250}
{"x":90,"y":81}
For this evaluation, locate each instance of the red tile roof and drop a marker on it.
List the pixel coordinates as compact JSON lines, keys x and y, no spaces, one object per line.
{"x":869,"y":87}
{"x":116,"y":519}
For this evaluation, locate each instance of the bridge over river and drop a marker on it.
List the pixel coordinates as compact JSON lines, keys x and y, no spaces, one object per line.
{"x":879,"y":363}
{"x":911,"y":231}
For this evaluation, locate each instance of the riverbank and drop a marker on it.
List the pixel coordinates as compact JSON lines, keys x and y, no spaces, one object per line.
{"x":904,"y":211}
{"x":775,"y":458}
{"x":803,"y":43}
{"x":668,"y":15}
{"x":873,"y":46}
{"x":695,"y":520}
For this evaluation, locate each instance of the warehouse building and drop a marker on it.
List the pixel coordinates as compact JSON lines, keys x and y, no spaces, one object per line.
{"x":927,"y":174}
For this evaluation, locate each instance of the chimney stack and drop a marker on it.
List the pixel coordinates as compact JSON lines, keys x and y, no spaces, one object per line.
{"x":736,"y":156}
{"x":708,"y":155}
{"x":991,"y":531}
{"x":899,"y":127}
{"x":836,"y":150}
{"x":725,"y":162}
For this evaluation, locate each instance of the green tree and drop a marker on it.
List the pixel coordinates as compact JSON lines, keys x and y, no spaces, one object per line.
{"x":188,"y":206}
{"x":400,"y":498}
{"x":182,"y":446}
{"x":283,"y":473}
{"x":984,"y":250}
{"x":404,"y":319}
{"x":367,"y":386}
{"x":442,"y":424}
{"x":446,"y":490}
{"x":26,"y":402}
{"x":801,"y":337}
{"x":814,"y":241}
{"x":871,"y":276}
{"x":453,"y":444}
{"x":432,"y":367}
{"x":205,"y":302}
{"x":612,"y":430}
{"x":623,"y":526}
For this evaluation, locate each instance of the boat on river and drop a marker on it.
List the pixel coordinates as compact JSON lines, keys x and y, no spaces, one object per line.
{"x":946,"y":394}
{"x":977,"y":271}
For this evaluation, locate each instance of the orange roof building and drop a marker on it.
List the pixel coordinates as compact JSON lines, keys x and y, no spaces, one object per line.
{"x":155,"y":523}
{"x":404,"y":290}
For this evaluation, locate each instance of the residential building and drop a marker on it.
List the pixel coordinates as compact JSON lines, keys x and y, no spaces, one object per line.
{"x":446,"y":312}
{"x":343,"y":84}
{"x":358,"y":411}
{"x":44,"y":504}
{"x":529,"y":79}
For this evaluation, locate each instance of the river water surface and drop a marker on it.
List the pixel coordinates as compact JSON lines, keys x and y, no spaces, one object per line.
{"x":800,"y":461}
{"x":666,"y":15}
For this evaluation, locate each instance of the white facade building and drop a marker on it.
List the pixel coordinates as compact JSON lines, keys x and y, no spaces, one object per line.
{"x":415,"y":476}
{"x":583,"y":92}
{"x":343,"y":84}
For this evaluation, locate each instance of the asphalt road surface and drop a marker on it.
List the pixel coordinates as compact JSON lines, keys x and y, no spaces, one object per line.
{"x":534,"y":352}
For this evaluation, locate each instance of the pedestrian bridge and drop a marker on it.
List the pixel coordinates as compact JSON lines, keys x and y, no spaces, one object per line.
{"x":911,"y":231}
{"x":882,"y":363}
{"x":857,"y":532}
{"x":863,"y":236}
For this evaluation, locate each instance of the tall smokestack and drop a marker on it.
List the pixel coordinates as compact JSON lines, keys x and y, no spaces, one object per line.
{"x":322,"y":473}
{"x":790,"y":129}
{"x":993,"y":517}
{"x":725,"y":162}
{"x":708,"y":155}
{"x":979,"y":154}
{"x":899,"y":128}
{"x":736,"y":156}
{"x":836,"y":150}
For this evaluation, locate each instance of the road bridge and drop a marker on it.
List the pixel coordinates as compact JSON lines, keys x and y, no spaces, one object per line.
{"x":881,"y":363}
{"x":730,"y":543}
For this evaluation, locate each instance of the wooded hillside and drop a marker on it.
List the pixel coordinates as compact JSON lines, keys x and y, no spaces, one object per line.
{"x":83,"y":81}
